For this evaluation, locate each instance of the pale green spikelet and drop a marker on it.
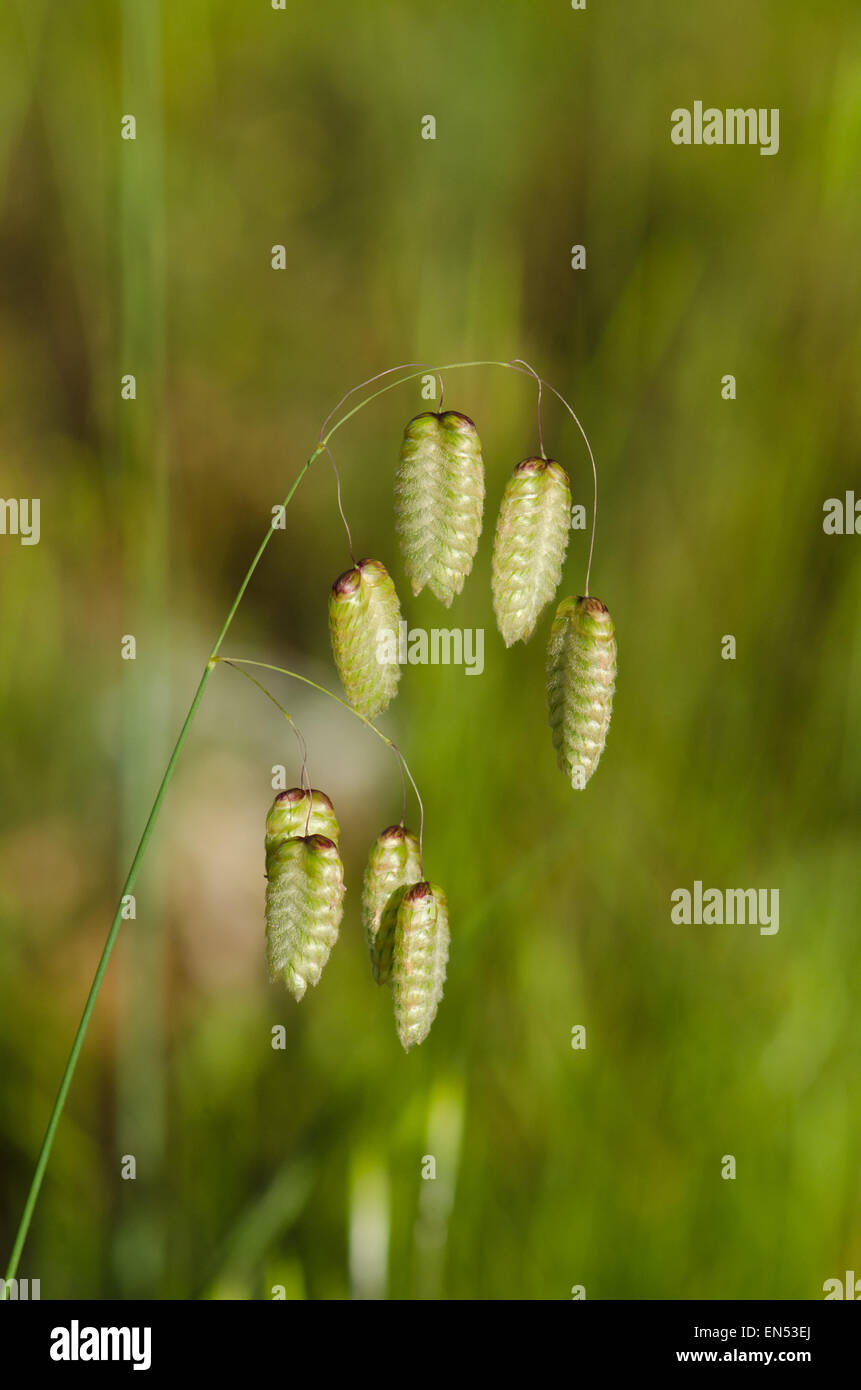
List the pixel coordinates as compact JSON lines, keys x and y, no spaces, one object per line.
{"x":364,"y":614}
{"x":581,"y":678}
{"x":394,"y":862}
{"x":529,"y":546}
{"x":304,"y":906}
{"x":441,"y":944}
{"x":288,"y":817}
{"x":383,"y":949}
{"x":439,"y":501}
{"x":420,"y":958}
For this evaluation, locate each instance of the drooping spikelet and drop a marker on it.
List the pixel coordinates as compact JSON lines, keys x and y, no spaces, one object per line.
{"x":393,"y":863}
{"x":304,"y":906}
{"x":364,"y":614}
{"x":439,"y":500}
{"x":420,"y":958}
{"x":288,"y":817}
{"x":581,"y":677}
{"x":529,"y":546}
{"x":383,"y":950}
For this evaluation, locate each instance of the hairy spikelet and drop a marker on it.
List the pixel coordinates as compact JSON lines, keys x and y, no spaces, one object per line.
{"x":304,"y":906}
{"x":288,"y":817}
{"x":439,"y":500}
{"x":529,"y":546}
{"x":420,"y":958}
{"x":581,"y":677}
{"x":364,"y":614}
{"x":393,"y":863}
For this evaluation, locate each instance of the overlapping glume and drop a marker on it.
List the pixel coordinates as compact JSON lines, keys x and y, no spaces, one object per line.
{"x":304,"y":888}
{"x":581,"y":678}
{"x":394,"y":863}
{"x":529,"y":546}
{"x":439,"y":501}
{"x":419,"y":961}
{"x":364,"y":614}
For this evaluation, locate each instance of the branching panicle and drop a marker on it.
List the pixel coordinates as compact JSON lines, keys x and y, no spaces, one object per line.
{"x":439,"y":501}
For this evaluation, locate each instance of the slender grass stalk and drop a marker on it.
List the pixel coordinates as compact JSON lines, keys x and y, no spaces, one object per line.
{"x":139,"y":1236}
{"x":128,"y":885}
{"x":214,"y":657}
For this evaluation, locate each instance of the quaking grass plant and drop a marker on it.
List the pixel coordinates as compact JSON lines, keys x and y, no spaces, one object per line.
{"x":439,"y":491}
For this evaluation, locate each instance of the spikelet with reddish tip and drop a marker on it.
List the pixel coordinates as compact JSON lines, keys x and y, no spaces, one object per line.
{"x":439,"y":501}
{"x":393,"y":863}
{"x":529,"y":546}
{"x":288,"y":817}
{"x":581,"y":678}
{"x":420,"y":958}
{"x":364,"y":614}
{"x":304,"y":906}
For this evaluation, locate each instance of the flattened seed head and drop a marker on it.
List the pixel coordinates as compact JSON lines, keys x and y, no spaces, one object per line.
{"x":419,"y":960}
{"x":439,"y":501}
{"x":393,"y":864}
{"x":304,"y":906}
{"x":581,"y":678}
{"x":364,"y":618}
{"x":529,"y":545}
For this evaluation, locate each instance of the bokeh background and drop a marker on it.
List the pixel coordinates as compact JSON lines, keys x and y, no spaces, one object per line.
{"x":555,"y":1167}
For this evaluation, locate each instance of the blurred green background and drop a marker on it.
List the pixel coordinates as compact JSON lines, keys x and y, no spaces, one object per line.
{"x":555,"y":1167}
